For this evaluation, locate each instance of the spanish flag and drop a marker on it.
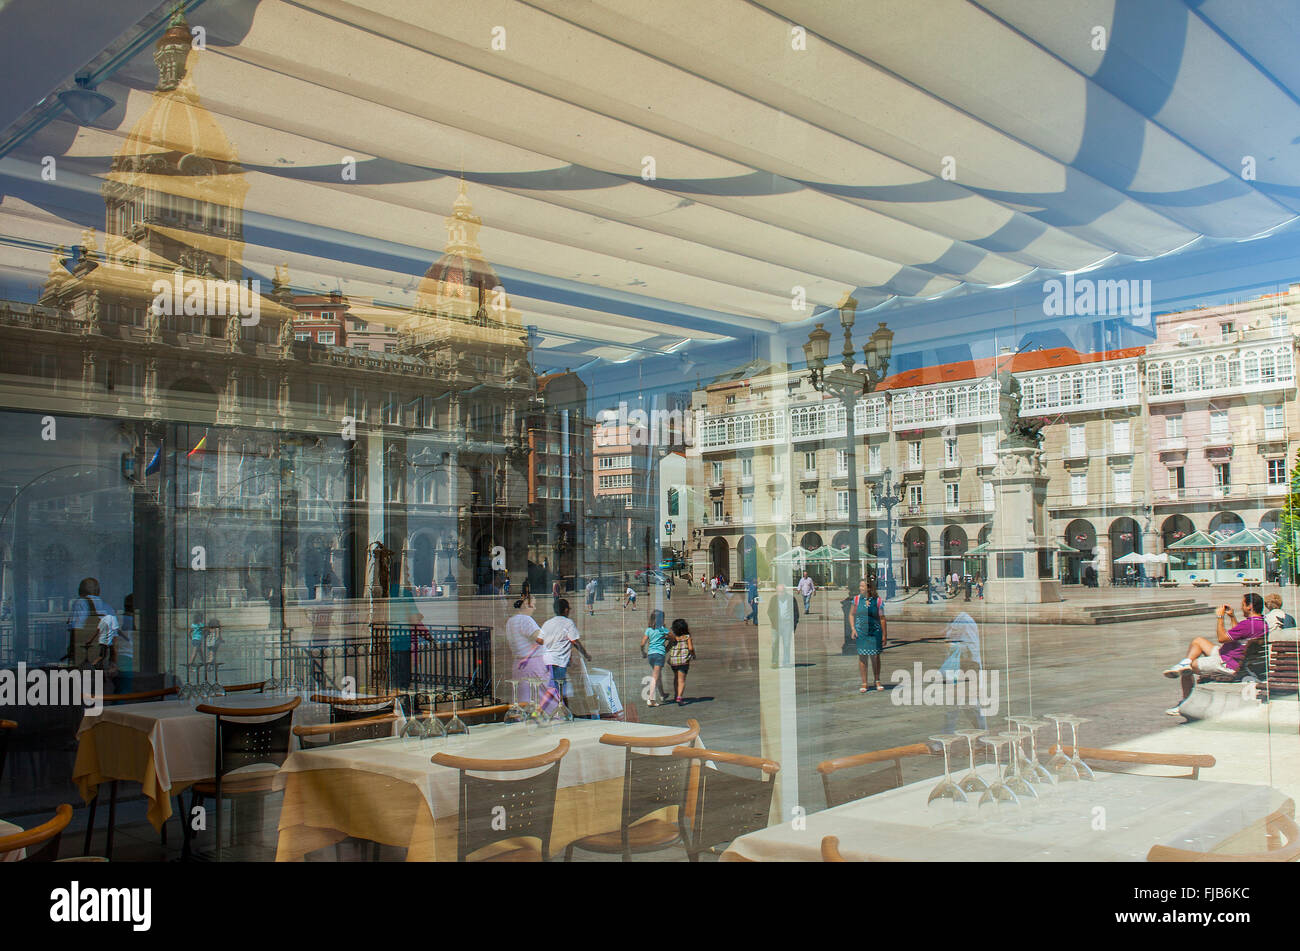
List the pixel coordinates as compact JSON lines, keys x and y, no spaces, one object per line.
{"x":200,"y":446}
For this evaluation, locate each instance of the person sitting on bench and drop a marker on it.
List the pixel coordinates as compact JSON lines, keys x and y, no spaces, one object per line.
{"x":1222,"y":660}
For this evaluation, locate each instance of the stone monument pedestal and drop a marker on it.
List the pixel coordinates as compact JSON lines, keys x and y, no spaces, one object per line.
{"x":1021,"y":556}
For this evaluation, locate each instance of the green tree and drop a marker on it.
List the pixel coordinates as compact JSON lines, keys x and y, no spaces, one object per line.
{"x":1288,"y":531}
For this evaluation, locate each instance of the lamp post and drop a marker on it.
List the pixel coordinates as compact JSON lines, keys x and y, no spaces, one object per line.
{"x":847,"y":385}
{"x":886,"y":494}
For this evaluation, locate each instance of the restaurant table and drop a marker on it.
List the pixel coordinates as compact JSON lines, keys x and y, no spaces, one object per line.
{"x":388,"y":791}
{"x":17,"y":855}
{"x":164,"y":745}
{"x":1118,"y":818}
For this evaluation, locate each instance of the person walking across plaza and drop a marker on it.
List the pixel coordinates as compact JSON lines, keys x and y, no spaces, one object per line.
{"x":681,"y":651}
{"x":713,"y":586}
{"x":591,"y":597}
{"x":806,"y":588}
{"x":654,"y":648}
{"x":751,"y":599}
{"x":558,"y":637}
{"x":783,"y":613}
{"x":869,"y":625}
{"x":629,"y":598}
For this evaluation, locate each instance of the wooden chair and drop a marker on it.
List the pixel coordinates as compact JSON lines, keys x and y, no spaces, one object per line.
{"x":1110,"y":761}
{"x":320,"y":735}
{"x":7,"y":728}
{"x":258,"y":685}
{"x":343,"y":709}
{"x":843,"y":787}
{"x":115,"y":699}
{"x":497,"y":810}
{"x":41,"y":842}
{"x":831,"y":849}
{"x":1283,"y":844}
{"x":240,"y":743}
{"x":726,"y":805}
{"x":491,"y":713}
{"x":650,"y":783}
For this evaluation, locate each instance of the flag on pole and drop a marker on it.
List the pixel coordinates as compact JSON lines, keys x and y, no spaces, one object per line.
{"x":155,"y":463}
{"x":200,"y":446}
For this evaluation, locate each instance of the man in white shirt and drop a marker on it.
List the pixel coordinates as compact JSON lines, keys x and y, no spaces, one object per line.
{"x":558,"y":637}
{"x":591,"y":597}
{"x":806,"y":588}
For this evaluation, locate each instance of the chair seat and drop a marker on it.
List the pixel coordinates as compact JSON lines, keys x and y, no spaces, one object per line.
{"x":525,"y":854}
{"x":647,"y":836}
{"x":258,"y":783}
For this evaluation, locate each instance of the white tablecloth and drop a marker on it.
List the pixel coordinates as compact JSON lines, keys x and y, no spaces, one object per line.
{"x":408,"y":760}
{"x":183,"y":740}
{"x":1118,"y":818}
{"x":17,"y":855}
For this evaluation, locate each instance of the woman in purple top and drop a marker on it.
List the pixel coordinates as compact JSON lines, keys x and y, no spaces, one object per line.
{"x":1221,"y":660}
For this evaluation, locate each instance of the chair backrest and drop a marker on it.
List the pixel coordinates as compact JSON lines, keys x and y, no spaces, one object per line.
{"x":242,"y":743}
{"x":831,"y":849}
{"x":652,"y":781}
{"x":343,"y":709}
{"x":141,"y":696}
{"x":42,"y":841}
{"x":1114,"y":761}
{"x":727,"y":805}
{"x":1283,"y":844}
{"x":491,"y":713}
{"x":847,"y":778}
{"x":320,"y":735}
{"x":7,"y":728}
{"x":258,"y":685}
{"x":494,"y":810}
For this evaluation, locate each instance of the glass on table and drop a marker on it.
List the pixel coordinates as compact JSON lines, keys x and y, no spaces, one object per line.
{"x":1036,"y":772}
{"x":946,"y":792}
{"x":515,"y":713}
{"x":998,"y":795}
{"x":972,"y":782}
{"x":457,"y":729}
{"x":1084,"y":770}
{"x":1014,"y":778}
{"x":1061,"y":765}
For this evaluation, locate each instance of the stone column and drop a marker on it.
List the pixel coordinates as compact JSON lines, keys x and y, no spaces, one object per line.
{"x":1022,"y":558}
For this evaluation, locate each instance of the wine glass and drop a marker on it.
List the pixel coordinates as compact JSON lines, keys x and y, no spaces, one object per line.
{"x":1035,"y":771}
{"x":457,"y":731}
{"x":972,"y":782}
{"x":998,"y":795}
{"x":1060,"y":765}
{"x":534,"y":703}
{"x":1014,"y":778}
{"x":516,"y":713}
{"x":946,"y":790}
{"x":1084,"y":770}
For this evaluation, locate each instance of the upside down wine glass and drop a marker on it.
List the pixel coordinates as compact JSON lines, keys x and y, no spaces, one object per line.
{"x":457,"y":729}
{"x":1060,"y":765}
{"x":1036,"y":772}
{"x":972,"y":783}
{"x":516,"y":713}
{"x":1084,"y":770}
{"x":946,"y":791}
{"x":997,"y":795}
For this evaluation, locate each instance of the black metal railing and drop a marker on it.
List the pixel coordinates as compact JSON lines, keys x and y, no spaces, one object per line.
{"x":441,"y":662}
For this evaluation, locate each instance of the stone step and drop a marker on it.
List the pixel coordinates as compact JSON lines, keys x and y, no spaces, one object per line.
{"x":1058,"y":613}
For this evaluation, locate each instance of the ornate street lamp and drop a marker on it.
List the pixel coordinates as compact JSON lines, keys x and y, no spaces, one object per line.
{"x":847,"y":385}
{"x":885,"y":494}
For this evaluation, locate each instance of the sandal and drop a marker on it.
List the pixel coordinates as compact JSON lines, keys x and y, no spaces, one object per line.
{"x":878,"y":687}
{"x":863,"y":689}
